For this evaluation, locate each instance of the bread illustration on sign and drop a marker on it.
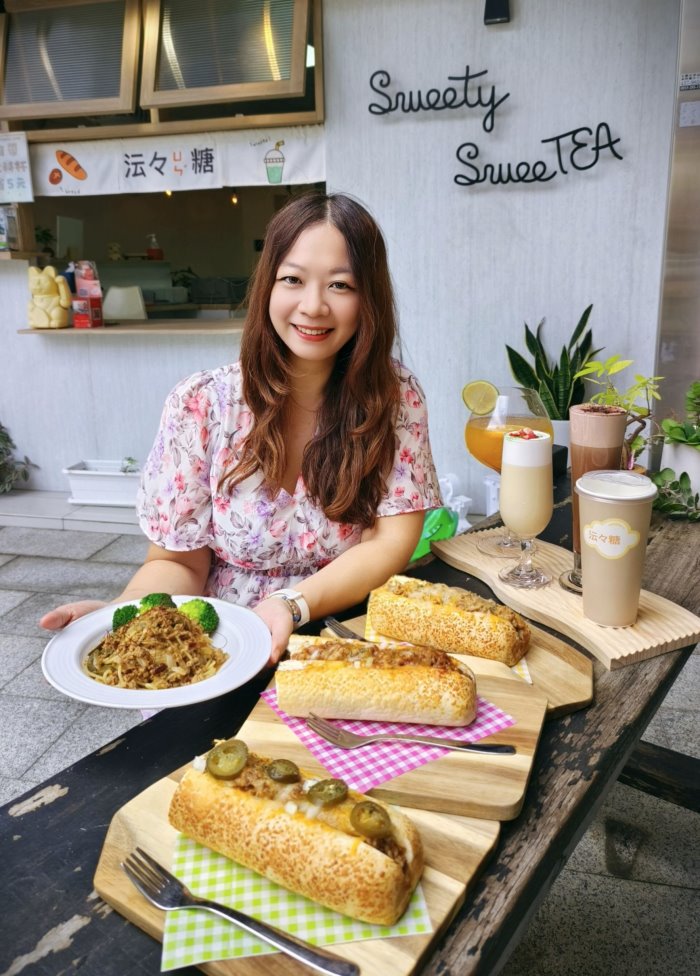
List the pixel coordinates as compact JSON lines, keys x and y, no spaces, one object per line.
{"x":313,"y":836}
{"x":70,"y":164}
{"x":50,"y":299}
{"x":352,"y":679}
{"x":447,"y":617}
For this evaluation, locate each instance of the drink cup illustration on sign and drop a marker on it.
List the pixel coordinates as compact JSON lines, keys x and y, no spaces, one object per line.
{"x":274,"y":163}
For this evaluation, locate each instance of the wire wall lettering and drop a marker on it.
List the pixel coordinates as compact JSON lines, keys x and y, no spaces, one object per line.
{"x":576,"y":150}
{"x":579,"y":149}
{"x":435,"y":99}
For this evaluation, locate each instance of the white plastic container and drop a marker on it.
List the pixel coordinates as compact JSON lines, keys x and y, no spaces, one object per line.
{"x":102,"y":483}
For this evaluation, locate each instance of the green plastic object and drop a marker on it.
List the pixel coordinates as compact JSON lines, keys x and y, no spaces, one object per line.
{"x":440,"y":523}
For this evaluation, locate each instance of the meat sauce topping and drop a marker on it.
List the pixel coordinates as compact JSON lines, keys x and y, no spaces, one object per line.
{"x":373,"y":656}
{"x":440,"y":594}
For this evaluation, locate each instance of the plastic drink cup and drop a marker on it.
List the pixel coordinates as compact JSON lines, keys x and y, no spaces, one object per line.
{"x":615,"y":512}
{"x":596,"y":435}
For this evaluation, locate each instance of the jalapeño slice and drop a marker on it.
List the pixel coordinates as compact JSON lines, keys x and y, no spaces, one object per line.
{"x":370,"y":820}
{"x":283,"y":771}
{"x":328,"y":791}
{"x":227,"y":759}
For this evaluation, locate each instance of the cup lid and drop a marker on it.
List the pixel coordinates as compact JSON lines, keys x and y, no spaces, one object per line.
{"x":622,"y":485}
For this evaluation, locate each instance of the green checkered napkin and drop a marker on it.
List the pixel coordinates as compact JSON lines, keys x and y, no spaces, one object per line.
{"x":193,"y":937}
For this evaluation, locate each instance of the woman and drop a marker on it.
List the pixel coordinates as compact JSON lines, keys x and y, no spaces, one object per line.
{"x":296,"y":480}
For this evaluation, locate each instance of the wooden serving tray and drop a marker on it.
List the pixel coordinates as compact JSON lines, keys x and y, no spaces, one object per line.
{"x":455,"y":850}
{"x":563,"y":674}
{"x":661,"y":626}
{"x":466,"y":784}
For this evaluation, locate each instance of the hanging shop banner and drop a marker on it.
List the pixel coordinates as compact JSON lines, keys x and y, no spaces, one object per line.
{"x":257,"y":157}
{"x":251,"y":157}
{"x":15,"y":174}
{"x":126,"y":165}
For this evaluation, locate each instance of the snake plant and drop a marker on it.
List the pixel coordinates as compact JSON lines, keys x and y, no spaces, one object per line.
{"x":555,"y":381}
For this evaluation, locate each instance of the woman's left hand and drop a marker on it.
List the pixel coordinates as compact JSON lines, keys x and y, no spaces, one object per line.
{"x":278,"y":619}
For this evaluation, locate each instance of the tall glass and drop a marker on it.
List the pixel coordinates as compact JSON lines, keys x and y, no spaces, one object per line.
{"x":527,"y":500}
{"x":514,"y":409}
{"x":596,"y":435}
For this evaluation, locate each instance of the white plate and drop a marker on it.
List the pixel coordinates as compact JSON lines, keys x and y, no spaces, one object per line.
{"x":241,"y":634}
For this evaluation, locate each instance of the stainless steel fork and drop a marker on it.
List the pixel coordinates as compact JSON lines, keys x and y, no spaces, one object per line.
{"x":349,"y":740}
{"x":340,"y":630}
{"x":164,"y":891}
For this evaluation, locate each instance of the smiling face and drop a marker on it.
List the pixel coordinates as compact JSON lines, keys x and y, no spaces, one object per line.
{"x":314,"y":304}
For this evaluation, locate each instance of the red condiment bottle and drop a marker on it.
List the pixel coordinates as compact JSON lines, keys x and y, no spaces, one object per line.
{"x":153,"y":251}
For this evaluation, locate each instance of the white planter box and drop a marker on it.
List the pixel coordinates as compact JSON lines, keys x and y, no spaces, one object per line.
{"x":102,"y":483}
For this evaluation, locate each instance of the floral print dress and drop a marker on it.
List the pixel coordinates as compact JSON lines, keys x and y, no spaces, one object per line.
{"x":260,"y":543}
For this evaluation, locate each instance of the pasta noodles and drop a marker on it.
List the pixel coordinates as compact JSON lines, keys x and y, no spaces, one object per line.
{"x":161,"y":648}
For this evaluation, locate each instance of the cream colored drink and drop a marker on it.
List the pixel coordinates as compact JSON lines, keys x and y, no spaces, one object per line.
{"x":526,"y":496}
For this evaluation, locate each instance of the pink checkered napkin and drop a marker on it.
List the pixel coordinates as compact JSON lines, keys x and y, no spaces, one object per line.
{"x":365,"y":768}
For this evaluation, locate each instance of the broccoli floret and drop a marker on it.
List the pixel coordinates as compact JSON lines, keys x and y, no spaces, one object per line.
{"x":122,"y":615}
{"x":152,"y":600}
{"x":202,"y":613}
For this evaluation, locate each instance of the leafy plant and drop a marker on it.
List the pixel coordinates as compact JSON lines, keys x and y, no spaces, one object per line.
{"x":676,"y":498}
{"x":183,"y":277}
{"x":688,"y":432}
{"x":129,"y":465}
{"x":44,"y":236}
{"x":692,"y":403}
{"x":11,"y":470}
{"x":636,"y":401}
{"x":556,"y":382}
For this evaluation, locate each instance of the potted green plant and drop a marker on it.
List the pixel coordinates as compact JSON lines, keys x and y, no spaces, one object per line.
{"x":44,"y":236}
{"x":556,"y":381}
{"x":11,"y":469}
{"x":681,"y":450}
{"x":676,"y":497}
{"x":637,"y":400}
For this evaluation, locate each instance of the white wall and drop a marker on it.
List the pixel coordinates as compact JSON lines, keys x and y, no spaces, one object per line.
{"x":471,"y":264}
{"x":73,"y":396}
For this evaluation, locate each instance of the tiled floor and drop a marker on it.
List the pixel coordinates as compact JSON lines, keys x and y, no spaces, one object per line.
{"x":627,"y":902}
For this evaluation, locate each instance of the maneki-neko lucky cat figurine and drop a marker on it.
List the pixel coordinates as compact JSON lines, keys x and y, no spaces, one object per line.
{"x":50,"y":299}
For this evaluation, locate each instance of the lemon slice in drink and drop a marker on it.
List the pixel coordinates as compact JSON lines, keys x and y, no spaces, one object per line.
{"x":480,"y":396}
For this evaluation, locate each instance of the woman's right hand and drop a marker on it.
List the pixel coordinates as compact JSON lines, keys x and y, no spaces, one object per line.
{"x":68,"y":612}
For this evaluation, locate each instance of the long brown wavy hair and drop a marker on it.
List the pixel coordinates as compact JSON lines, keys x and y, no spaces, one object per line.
{"x":347,"y":462}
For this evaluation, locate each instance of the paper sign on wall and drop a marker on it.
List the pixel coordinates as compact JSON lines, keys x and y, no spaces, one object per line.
{"x":15,"y":174}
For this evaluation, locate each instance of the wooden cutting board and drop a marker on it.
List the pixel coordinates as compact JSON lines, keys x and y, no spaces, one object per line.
{"x":563,"y":674}
{"x":467,"y":784}
{"x":662,"y":626}
{"x":455,"y":850}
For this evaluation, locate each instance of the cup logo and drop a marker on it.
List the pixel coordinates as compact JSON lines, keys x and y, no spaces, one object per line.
{"x":612,"y":538}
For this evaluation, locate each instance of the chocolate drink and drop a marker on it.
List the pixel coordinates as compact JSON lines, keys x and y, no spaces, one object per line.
{"x":596,"y":437}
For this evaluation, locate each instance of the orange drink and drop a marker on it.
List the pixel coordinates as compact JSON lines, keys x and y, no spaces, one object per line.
{"x":484,"y":436}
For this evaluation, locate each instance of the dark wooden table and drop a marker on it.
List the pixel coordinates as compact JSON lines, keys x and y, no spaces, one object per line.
{"x":54,"y":923}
